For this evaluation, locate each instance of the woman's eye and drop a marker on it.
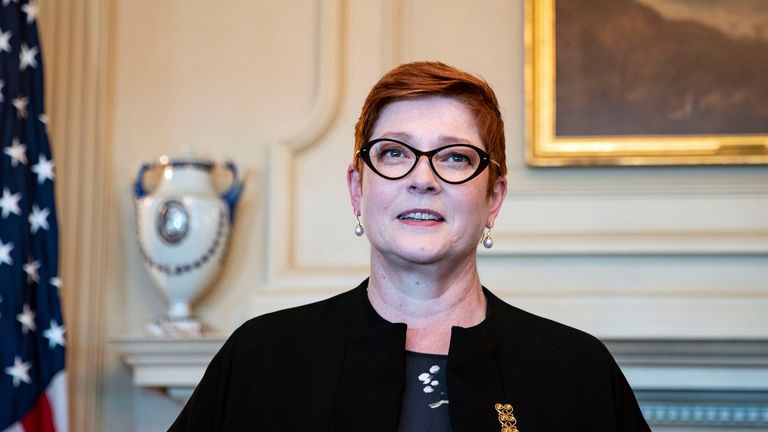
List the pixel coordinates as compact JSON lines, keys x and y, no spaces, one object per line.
{"x":457,"y":158}
{"x":393,"y":153}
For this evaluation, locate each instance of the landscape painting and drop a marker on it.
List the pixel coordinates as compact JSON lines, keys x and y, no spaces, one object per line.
{"x":646,"y":82}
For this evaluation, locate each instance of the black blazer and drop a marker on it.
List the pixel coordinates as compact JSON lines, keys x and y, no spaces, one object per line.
{"x":336,"y":365}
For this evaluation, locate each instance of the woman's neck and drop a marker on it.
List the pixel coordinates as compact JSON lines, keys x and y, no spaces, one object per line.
{"x":430,"y":299}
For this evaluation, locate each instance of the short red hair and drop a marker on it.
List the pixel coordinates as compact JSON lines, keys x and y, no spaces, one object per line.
{"x":419,"y":79}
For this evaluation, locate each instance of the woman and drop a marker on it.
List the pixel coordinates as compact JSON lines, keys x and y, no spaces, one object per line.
{"x":420,"y":345}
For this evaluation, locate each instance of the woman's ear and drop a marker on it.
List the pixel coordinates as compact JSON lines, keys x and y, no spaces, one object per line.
{"x":355,"y":187}
{"x":496,"y":199}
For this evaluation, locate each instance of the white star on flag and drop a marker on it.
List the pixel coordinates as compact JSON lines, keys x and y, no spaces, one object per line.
{"x":5,"y":40}
{"x":31,"y":9}
{"x":55,"y":281}
{"x":27,"y":57}
{"x":20,"y":103}
{"x":10,"y":203}
{"x":27,"y":320}
{"x":44,"y":120}
{"x":18,"y":153}
{"x":7,"y":2}
{"x":5,"y":253}
{"x":19,"y":371}
{"x":55,"y":335}
{"x":38,"y":218}
{"x":30,"y":269}
{"x":44,"y":169}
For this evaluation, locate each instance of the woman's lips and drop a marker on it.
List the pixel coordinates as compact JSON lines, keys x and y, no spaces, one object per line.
{"x":420,"y":216}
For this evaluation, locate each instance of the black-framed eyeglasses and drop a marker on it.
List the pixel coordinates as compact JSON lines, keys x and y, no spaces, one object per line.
{"x":454,"y":163}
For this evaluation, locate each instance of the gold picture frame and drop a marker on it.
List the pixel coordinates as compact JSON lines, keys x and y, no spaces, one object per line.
{"x":548,"y":146}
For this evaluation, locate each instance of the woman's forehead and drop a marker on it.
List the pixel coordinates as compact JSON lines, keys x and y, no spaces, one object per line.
{"x":439,"y":119}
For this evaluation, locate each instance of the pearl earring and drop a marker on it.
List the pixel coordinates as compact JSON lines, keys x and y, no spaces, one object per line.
{"x":487,"y":240}
{"x":359,"y":231}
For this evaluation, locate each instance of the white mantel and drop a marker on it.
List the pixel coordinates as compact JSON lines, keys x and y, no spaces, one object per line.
{"x":679,"y":383}
{"x":174,"y":365}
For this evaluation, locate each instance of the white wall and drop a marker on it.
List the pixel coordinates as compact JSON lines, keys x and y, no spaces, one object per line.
{"x":674,"y":252}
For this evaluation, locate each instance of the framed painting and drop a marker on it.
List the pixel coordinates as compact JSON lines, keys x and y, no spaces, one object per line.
{"x":646,"y":82}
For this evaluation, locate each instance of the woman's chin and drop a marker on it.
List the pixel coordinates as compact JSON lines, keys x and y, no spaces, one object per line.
{"x":427,"y":253}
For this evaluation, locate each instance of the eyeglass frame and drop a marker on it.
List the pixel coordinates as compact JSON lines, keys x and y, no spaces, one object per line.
{"x":485,"y":159}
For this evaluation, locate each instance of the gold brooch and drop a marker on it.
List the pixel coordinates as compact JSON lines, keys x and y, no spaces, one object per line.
{"x":506,"y":418}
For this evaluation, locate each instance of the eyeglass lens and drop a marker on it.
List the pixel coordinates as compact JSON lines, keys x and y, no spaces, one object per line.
{"x":454,"y":163}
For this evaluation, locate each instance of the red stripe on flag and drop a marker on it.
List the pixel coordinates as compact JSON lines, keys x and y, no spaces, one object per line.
{"x":40,"y":417}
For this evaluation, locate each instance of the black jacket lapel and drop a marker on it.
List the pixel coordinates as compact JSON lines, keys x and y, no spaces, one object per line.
{"x":371,"y":387}
{"x":475,"y":382}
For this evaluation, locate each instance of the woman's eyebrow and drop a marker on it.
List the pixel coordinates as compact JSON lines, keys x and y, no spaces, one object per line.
{"x":450,"y":139}
{"x":402,"y":136}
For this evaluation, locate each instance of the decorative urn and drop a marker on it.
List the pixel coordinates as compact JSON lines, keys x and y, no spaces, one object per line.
{"x":183,"y":225}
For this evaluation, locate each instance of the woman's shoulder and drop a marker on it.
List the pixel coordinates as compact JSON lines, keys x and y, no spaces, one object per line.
{"x":339,"y":317}
{"x":514,"y":326}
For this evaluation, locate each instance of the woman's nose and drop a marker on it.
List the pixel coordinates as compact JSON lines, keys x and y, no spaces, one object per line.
{"x":423,"y":178}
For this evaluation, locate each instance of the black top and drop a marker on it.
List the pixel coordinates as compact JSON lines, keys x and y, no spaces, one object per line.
{"x":425,"y":398}
{"x":336,"y":365}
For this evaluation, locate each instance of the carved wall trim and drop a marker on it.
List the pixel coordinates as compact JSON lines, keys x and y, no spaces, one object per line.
{"x":329,"y":78}
{"x":281,"y":185}
{"x":627,"y":243}
{"x":76,"y":37}
{"x":581,"y":185}
{"x":690,"y":352}
{"x":705,"y":410}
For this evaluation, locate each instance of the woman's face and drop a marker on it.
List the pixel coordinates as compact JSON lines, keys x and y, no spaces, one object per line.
{"x":420,"y":219}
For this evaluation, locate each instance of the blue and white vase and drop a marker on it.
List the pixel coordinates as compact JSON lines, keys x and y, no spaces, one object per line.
{"x":183,"y":228}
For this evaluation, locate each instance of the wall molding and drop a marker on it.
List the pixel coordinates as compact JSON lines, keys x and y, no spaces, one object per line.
{"x":690,"y":352}
{"x":329,"y":77}
{"x":685,"y":371}
{"x":281,"y":179}
{"x":629,"y":243}
{"x":734,"y":410}
{"x":579,"y":186}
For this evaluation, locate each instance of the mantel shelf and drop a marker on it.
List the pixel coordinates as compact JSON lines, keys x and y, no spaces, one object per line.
{"x":669,"y":376}
{"x":175,"y":365}
{"x":179,"y":363}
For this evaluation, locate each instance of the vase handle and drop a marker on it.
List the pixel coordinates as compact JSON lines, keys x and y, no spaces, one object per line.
{"x":232,"y":195}
{"x":138,"y":185}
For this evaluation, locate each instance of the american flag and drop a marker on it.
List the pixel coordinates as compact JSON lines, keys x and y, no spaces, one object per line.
{"x":32,"y":375}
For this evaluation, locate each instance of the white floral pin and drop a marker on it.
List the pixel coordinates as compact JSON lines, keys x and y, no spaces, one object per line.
{"x":431,"y":384}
